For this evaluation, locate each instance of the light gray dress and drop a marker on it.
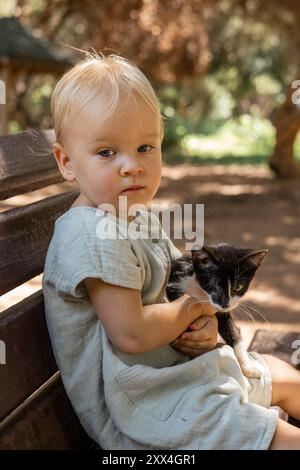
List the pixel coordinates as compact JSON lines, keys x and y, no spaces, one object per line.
{"x":155,"y":400}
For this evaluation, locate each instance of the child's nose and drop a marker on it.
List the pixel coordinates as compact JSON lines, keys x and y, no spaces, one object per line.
{"x":131,"y":166}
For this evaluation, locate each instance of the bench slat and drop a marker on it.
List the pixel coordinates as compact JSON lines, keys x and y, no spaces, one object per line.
{"x":47,"y":422}
{"x":24,"y":164}
{"x":35,"y":412}
{"x":29,"y":357}
{"x":25,"y":233}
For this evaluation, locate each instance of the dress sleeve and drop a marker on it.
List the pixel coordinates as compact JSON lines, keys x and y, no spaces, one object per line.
{"x":173,"y":250}
{"x":81,"y":254}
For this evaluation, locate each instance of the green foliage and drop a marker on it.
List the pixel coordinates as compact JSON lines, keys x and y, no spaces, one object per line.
{"x":214,"y":117}
{"x":7,"y":8}
{"x":15,"y":127}
{"x":181,"y":107}
{"x":242,"y":140}
{"x":225,"y":113}
{"x":240,"y":136}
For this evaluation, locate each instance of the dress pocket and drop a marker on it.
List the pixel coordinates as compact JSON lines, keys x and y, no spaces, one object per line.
{"x":158,"y":391}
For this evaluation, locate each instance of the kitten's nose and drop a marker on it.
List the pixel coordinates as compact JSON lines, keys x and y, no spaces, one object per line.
{"x":225,"y":303}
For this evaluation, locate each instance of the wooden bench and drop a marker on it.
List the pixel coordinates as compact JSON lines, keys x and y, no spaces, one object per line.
{"x":35,"y":412}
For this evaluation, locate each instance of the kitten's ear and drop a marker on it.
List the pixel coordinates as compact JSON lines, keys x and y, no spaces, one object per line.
{"x":211,"y":251}
{"x":196,"y":250}
{"x":254,"y":256}
{"x":203,"y":252}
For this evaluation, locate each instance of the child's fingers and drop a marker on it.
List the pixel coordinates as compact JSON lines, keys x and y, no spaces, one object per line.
{"x":190,"y":352}
{"x":199,"y":323}
{"x":194,"y":352}
{"x":196,"y":336}
{"x":200,"y":340}
{"x":208,"y":328}
{"x":193,"y":344}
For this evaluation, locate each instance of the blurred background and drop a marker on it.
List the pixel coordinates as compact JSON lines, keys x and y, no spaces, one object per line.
{"x":223,"y":71}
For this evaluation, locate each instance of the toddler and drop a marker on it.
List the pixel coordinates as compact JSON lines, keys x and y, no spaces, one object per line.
{"x":133,"y":380}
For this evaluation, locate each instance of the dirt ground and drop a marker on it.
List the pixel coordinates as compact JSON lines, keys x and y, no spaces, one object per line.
{"x":247,"y":207}
{"x":244,"y":206}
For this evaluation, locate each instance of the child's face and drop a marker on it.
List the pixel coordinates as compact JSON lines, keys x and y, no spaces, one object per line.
{"x":106,"y":156}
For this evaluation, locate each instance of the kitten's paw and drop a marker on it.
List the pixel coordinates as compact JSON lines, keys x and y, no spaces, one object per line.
{"x":251,"y":370}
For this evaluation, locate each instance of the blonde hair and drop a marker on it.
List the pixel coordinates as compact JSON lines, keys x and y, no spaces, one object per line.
{"x":112,"y":77}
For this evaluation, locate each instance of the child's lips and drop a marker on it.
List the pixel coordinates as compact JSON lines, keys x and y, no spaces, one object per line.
{"x":133,"y":188}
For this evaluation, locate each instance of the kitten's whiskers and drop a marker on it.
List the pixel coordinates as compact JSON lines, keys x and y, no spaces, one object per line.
{"x":244,"y":312}
{"x":256,"y":310}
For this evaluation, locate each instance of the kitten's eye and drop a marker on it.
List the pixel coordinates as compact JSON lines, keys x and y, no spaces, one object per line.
{"x":238,"y":287}
{"x":205,"y":261}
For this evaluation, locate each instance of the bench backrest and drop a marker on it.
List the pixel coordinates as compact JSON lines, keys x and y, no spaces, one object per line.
{"x":35,"y":412}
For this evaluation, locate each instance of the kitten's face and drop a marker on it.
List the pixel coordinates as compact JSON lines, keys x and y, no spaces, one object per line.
{"x":225,"y":272}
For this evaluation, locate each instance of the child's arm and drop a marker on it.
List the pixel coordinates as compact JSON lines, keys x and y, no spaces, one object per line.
{"x":135,"y":328}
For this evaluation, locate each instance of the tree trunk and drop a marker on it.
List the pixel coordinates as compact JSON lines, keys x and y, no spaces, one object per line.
{"x":287,"y":124}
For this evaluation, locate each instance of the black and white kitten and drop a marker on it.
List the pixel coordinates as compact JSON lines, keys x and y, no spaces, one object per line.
{"x":224,"y":273}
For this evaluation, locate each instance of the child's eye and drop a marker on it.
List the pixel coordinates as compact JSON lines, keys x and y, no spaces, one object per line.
{"x":105,"y":153}
{"x":145,"y":148}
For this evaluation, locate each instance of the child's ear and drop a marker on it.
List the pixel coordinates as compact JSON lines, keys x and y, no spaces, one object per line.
{"x":64,"y":162}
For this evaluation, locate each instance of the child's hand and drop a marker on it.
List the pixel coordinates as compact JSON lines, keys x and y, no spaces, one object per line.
{"x":195,"y":291}
{"x":202,"y":337}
